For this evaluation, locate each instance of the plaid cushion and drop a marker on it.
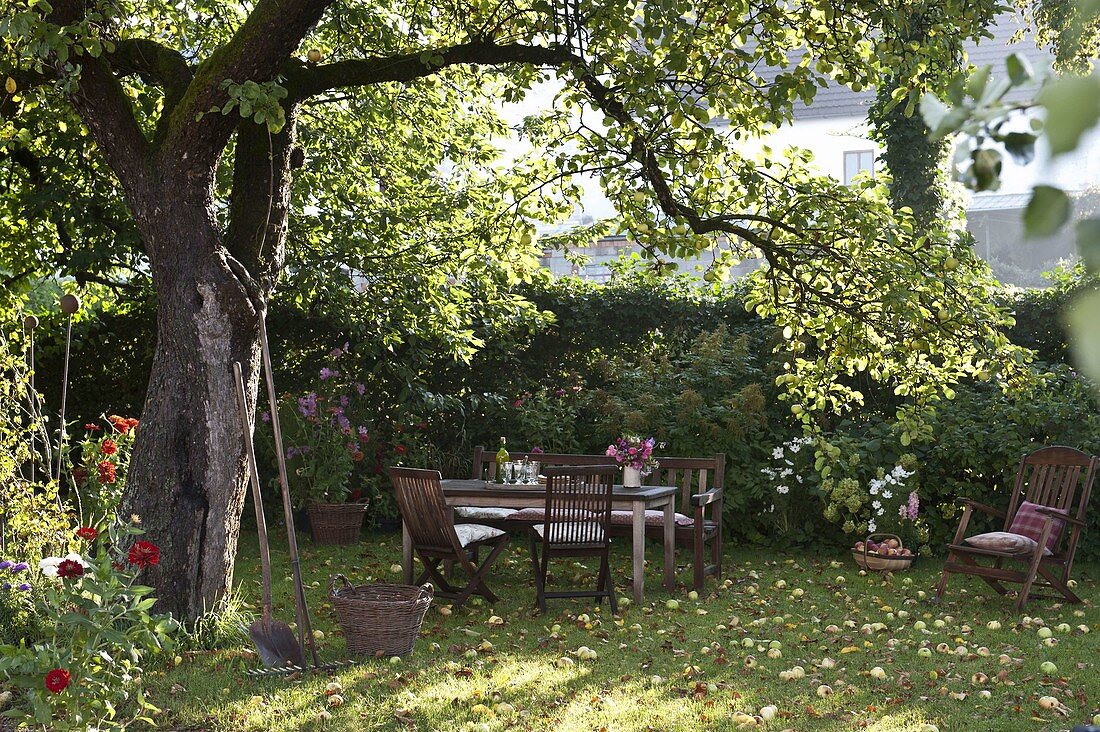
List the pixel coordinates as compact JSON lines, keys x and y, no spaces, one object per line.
{"x":1029,"y":522}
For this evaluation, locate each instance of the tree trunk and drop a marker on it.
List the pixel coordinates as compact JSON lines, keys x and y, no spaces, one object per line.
{"x":188,"y":476}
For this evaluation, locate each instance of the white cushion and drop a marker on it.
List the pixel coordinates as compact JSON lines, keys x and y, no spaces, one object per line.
{"x":483,"y":512}
{"x":469,"y":533}
{"x":539,"y":514}
{"x":1003,"y":541}
{"x":562,"y":535}
{"x":653,"y":517}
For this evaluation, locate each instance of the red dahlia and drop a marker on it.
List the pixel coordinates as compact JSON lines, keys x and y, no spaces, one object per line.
{"x":87,"y":532}
{"x":144,"y":554}
{"x":57,"y":680}
{"x":106,"y":471}
{"x":108,"y":447}
{"x":93,"y":428}
{"x":70,"y":568}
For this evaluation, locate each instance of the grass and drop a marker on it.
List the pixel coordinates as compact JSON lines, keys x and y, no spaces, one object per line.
{"x":661,"y":668}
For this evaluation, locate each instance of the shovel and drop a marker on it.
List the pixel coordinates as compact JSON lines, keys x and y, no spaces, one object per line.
{"x":305,"y":631}
{"x":274,"y":639}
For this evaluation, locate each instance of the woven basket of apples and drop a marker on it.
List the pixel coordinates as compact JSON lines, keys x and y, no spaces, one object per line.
{"x":882,"y":552}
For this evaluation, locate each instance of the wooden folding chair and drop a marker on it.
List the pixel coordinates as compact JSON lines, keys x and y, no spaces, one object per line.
{"x":435,"y":539}
{"x":1058,"y":481}
{"x":576,"y":523}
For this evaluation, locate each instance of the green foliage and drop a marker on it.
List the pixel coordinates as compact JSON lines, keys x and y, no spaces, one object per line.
{"x":97,"y":629}
{"x":221,"y":627}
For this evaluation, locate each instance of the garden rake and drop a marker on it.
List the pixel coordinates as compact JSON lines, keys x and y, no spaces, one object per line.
{"x":274,"y":640}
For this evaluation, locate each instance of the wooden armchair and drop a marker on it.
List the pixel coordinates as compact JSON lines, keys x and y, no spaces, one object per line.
{"x":1051,"y":493}
{"x":435,"y":539}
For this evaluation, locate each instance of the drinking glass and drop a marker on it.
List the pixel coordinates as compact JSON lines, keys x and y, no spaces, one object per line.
{"x":532,"y":473}
{"x":508,"y":471}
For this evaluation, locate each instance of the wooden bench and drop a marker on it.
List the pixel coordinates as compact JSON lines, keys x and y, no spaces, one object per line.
{"x":700,"y":480}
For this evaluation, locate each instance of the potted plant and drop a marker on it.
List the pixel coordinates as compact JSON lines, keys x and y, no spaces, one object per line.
{"x":323,"y":447}
{"x":636,"y":457}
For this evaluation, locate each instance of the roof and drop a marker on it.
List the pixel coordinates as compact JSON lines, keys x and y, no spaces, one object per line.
{"x":840,"y":101}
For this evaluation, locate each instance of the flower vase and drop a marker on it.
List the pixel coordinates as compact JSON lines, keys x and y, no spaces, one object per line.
{"x":632,"y":477}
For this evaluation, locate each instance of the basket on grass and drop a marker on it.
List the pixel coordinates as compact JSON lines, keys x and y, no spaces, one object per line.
{"x":336,"y":523}
{"x":867,"y":558}
{"x":379,"y":619}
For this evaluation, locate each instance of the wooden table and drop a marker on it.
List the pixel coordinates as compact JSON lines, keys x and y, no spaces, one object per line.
{"x":483,"y":494}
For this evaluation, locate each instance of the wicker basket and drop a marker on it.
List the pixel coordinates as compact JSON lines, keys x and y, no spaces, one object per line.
{"x":336,"y":523}
{"x":379,"y":619}
{"x":880,"y":563}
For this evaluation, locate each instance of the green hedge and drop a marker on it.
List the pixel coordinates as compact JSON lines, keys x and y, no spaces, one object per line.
{"x":690,"y":367}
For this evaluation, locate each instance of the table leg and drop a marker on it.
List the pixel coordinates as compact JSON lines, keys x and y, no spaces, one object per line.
{"x":406,"y":554}
{"x":670,"y":544}
{"x":638,"y":549}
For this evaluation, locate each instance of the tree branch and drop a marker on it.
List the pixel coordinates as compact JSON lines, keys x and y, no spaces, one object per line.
{"x":157,"y":65}
{"x":264,"y":41}
{"x":106,"y":109}
{"x":305,"y":80}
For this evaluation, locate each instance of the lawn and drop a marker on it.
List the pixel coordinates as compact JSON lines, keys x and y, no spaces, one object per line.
{"x":696,"y":663}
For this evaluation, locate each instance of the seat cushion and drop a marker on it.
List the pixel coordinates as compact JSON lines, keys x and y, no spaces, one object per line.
{"x":484,"y":513}
{"x":1029,"y":522}
{"x":653,"y":517}
{"x":563,"y":533}
{"x":1003,"y":541}
{"x":539,"y":514}
{"x":470,"y":533}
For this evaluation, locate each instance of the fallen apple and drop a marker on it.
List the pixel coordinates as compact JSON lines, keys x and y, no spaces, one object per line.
{"x":1048,"y":668}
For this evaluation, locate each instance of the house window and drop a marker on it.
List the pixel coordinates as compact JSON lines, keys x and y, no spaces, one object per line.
{"x":857,"y":161}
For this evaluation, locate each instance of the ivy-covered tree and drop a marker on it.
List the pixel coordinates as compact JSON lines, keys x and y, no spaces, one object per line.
{"x":223,"y":144}
{"x":924,"y":56}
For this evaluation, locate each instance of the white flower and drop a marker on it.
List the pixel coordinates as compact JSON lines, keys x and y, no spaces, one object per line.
{"x":872,"y":527}
{"x":777,"y":453}
{"x":880,"y":512}
{"x":887,"y":495}
{"x":785,"y":472}
{"x":49,"y":565}
{"x":876,"y":505}
{"x":798,"y":478}
{"x":771,"y":508}
{"x":782,"y":489}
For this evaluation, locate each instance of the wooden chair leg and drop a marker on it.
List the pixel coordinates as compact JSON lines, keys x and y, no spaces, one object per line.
{"x":607,"y":584}
{"x":1032,"y":570}
{"x":544,"y":566}
{"x":1059,"y":584}
{"x":942,"y":586}
{"x":698,"y":560}
{"x":536,"y":568}
{"x":477,"y":574}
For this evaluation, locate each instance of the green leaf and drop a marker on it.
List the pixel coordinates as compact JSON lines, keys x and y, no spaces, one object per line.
{"x":1088,"y":243}
{"x":1019,"y":69}
{"x":1021,"y":146}
{"x":934,"y":111}
{"x":1047,"y":211}
{"x":1073,"y":107}
{"x":1084,"y":323}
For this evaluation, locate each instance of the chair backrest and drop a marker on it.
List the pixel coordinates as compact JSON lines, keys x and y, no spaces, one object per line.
{"x":1057,"y":477}
{"x":692,"y":475}
{"x":578,"y":504}
{"x":423,"y":508}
